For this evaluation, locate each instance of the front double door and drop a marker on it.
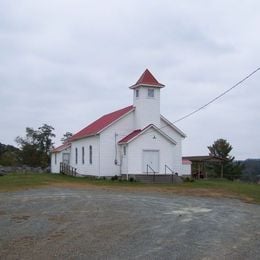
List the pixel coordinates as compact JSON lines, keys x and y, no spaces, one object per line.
{"x":151,"y":161}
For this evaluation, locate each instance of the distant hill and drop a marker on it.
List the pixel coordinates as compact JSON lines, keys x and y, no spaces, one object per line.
{"x":251,"y":170}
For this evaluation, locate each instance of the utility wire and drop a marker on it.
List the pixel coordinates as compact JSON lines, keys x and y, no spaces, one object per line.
{"x":211,"y":101}
{"x":219,"y":96}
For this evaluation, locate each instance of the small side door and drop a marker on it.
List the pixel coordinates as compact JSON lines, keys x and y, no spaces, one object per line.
{"x":66,"y":158}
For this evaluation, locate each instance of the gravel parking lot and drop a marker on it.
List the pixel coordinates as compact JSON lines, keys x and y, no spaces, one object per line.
{"x":73,"y":223}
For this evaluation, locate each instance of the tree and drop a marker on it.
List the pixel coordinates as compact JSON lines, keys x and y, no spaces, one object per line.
{"x":66,"y":137}
{"x":221,"y":148}
{"x":36,"y":146}
{"x":9,"y":155}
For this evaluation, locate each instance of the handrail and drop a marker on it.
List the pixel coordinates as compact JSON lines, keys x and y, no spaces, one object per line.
{"x":67,"y":169}
{"x":167,"y":167}
{"x":149,"y":167}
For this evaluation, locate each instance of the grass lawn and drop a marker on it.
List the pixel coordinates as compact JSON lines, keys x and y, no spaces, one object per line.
{"x":208,"y":188}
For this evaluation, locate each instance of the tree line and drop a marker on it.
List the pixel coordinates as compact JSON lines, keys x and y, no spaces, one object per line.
{"x":34,"y":148}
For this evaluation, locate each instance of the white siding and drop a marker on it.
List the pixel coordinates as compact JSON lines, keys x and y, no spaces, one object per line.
{"x":124,"y":162}
{"x":147,"y":110}
{"x":186,"y":169}
{"x":86,"y":168}
{"x":178,"y":150}
{"x":146,"y":141}
{"x":55,"y":165}
{"x":109,"y":149}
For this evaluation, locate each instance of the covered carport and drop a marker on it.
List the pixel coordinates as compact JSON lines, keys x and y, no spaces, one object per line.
{"x":198,"y":165}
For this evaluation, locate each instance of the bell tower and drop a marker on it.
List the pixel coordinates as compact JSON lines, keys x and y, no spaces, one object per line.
{"x":146,"y":100}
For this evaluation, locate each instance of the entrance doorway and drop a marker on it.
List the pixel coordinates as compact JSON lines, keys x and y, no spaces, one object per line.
{"x":151,"y":161}
{"x":66,"y":158}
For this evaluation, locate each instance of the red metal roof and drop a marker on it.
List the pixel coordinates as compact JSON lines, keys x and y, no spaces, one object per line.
{"x":147,"y":79}
{"x":101,"y":123}
{"x":130,"y":136}
{"x":61,"y":147}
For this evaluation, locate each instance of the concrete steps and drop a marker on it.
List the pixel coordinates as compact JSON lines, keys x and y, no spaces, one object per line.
{"x":156,"y":178}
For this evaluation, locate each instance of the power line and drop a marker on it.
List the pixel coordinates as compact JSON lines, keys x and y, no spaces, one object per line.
{"x":219,"y":96}
{"x":211,"y":101}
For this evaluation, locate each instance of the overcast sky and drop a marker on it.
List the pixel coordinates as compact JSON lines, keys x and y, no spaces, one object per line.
{"x":66,"y":63}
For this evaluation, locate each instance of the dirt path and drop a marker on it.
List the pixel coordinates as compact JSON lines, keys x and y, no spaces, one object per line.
{"x":70,"y":222}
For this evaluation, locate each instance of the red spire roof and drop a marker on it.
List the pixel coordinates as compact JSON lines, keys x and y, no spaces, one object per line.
{"x":101,"y":123}
{"x":147,"y":79}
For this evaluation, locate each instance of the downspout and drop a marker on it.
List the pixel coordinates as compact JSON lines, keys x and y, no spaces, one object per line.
{"x":116,"y":155}
{"x":115,"y":161}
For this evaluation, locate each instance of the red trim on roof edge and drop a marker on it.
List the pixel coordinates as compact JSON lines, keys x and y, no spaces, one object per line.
{"x":130,"y":136}
{"x":147,"y":79}
{"x":61,"y":147}
{"x":101,"y":123}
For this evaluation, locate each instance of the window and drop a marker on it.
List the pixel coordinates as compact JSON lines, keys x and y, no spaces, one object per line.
{"x":90,"y":154}
{"x":124,"y":150}
{"x":55,"y":158}
{"x":150,"y":92}
{"x":83,"y":155}
{"x":137,"y":93}
{"x":76,"y":155}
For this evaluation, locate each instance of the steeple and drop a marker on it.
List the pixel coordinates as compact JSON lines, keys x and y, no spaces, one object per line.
{"x":146,"y":100}
{"x":147,"y":79}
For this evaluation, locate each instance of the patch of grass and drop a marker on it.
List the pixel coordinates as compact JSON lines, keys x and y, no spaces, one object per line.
{"x":16,"y":181}
{"x":209,"y":188}
{"x":242,"y":190}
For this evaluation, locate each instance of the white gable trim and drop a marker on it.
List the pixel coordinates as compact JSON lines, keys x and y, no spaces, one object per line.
{"x":156,"y":129}
{"x":173,"y":127}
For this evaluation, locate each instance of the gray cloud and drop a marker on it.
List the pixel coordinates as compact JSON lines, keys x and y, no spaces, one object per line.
{"x":68,"y":62}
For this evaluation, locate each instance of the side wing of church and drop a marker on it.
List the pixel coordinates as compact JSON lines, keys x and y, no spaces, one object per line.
{"x":133,"y":140}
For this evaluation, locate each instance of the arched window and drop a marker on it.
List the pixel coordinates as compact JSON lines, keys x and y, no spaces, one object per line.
{"x":90,"y":154}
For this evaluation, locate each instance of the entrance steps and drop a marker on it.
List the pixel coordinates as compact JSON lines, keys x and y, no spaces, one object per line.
{"x":155,"y":178}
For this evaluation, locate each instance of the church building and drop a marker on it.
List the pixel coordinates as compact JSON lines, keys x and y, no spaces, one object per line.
{"x":133,"y":140}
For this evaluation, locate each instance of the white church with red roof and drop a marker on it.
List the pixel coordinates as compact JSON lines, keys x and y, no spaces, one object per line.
{"x":133,"y":140}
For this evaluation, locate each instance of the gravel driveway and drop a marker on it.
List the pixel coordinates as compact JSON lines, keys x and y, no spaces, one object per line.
{"x":73,"y":223}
